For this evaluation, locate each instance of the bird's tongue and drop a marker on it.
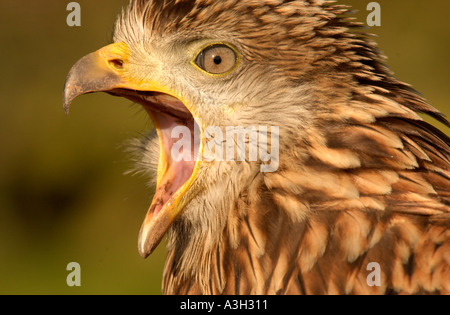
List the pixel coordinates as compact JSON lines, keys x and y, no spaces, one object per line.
{"x":177,"y":158}
{"x":179,"y":143}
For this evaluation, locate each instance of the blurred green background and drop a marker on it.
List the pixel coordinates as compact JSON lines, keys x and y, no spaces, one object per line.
{"x":63,"y":195}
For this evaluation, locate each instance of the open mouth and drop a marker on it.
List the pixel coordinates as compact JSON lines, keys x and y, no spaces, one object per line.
{"x":179,"y":145}
{"x":106,"y":71}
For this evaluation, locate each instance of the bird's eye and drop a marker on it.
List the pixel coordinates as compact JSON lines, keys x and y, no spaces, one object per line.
{"x":217,"y":59}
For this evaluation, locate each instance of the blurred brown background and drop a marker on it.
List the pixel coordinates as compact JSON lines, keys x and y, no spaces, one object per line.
{"x":63,"y":195}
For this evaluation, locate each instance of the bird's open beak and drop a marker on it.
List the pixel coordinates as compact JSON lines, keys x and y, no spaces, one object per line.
{"x":106,"y":70}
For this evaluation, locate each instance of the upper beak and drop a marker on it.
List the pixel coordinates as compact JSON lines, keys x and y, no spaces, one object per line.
{"x":100,"y":71}
{"x":106,"y":71}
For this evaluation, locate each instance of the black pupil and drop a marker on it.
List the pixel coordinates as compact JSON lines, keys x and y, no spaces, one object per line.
{"x":217,"y":60}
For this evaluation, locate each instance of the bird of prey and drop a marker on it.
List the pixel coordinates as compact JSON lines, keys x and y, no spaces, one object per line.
{"x":360,"y":180}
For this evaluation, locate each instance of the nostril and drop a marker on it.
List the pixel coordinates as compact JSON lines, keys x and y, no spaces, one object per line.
{"x":116,"y":63}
